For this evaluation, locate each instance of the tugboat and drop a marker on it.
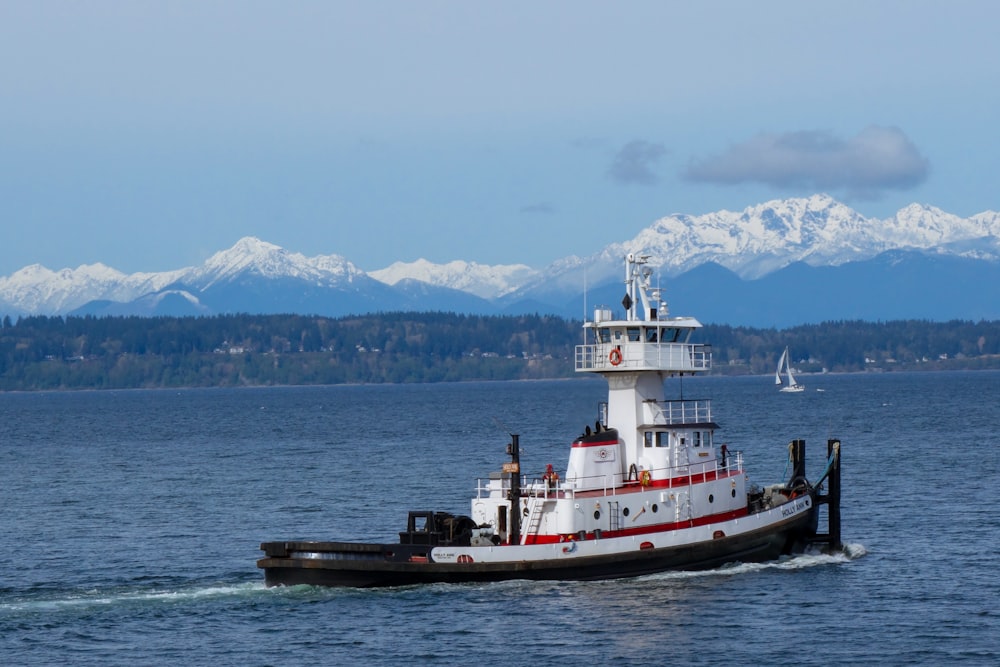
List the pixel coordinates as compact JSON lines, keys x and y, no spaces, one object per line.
{"x":646,"y":489}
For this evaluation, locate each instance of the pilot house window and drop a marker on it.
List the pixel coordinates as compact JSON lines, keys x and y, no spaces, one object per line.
{"x":662,"y":438}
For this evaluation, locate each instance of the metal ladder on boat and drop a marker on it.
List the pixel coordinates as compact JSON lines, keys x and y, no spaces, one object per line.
{"x":683,"y":499}
{"x":614,"y":516}
{"x":534,"y":522}
{"x":682,"y":466}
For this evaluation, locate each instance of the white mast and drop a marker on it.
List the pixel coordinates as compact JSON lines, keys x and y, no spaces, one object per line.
{"x":788,"y":367}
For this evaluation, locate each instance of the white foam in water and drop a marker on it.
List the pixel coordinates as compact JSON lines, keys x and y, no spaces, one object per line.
{"x":797,"y":562}
{"x":97,"y":598}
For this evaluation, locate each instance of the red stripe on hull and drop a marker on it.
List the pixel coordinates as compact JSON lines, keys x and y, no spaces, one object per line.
{"x":645,"y":530}
{"x":603,"y":443}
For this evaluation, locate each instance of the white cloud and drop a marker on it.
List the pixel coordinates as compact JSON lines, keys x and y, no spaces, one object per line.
{"x":877,"y":159}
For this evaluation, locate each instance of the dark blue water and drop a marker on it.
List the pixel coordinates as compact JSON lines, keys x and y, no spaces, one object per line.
{"x":131,"y":522}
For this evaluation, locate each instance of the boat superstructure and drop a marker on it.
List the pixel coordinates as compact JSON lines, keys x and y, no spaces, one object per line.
{"x":646,"y":487}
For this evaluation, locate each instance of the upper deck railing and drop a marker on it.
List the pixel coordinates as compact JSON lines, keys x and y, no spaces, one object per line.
{"x":640,"y":356}
{"x":677,"y":411}
{"x":730,"y":465}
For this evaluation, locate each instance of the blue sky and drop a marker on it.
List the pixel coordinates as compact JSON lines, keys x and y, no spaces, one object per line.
{"x":148,"y":135}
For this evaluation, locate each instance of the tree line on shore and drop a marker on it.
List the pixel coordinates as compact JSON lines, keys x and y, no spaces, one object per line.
{"x":45,"y":353}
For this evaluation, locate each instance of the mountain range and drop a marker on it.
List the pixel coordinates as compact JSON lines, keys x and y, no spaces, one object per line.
{"x":777,"y":264}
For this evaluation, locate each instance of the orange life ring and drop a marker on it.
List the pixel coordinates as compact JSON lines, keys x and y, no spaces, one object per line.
{"x":615,"y":357}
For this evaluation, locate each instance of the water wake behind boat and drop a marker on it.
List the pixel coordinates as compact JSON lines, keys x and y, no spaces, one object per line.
{"x":79,"y":601}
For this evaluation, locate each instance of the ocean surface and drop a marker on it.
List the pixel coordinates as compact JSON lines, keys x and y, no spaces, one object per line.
{"x":131,"y":522}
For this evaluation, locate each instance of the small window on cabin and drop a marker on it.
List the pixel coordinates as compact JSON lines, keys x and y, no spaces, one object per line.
{"x":633,"y":334}
{"x":662,"y":439}
{"x":697,"y":438}
{"x":651,"y":335}
{"x":683,"y":440}
{"x":669,"y":335}
{"x":708,"y":439}
{"x":603,"y":335}
{"x":618,"y":334}
{"x":647,"y":439}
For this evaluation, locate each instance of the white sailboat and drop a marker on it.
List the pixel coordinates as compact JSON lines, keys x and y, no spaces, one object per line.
{"x":785,"y":364}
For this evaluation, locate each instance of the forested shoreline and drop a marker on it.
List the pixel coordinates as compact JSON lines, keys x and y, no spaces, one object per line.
{"x":49,"y":353}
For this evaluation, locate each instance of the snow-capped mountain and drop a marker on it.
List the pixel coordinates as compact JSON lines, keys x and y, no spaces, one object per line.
{"x":817,"y":230}
{"x":37,"y":290}
{"x":761,"y":255}
{"x":752,"y":243}
{"x":487,"y":282}
{"x":251,"y":256}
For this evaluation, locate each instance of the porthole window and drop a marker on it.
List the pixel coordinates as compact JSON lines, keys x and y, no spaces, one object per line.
{"x":734,"y":493}
{"x":655,"y":508}
{"x":597,"y":514}
{"x":625,"y":511}
{"x":711,"y":498}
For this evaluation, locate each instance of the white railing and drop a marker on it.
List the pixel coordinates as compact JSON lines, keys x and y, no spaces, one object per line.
{"x":644,"y":356}
{"x":536,"y":488}
{"x":539,"y":489}
{"x":733,"y":466}
{"x":680,"y":412}
{"x":529,"y":489}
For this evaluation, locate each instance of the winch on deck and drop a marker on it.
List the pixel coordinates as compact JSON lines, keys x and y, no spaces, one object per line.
{"x":440,"y":529}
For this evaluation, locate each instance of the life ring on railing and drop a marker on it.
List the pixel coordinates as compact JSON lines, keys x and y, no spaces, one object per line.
{"x":615,"y":357}
{"x":645,"y":479}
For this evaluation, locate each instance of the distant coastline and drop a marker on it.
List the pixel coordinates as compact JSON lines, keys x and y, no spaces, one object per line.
{"x":54,"y":353}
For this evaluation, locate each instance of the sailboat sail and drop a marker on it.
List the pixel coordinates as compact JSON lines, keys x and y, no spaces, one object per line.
{"x":784,"y":363}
